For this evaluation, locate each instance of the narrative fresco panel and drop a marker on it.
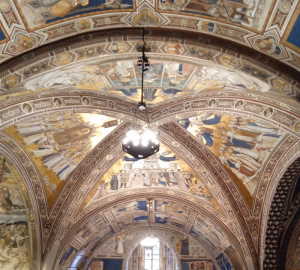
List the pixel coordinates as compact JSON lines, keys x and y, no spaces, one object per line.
{"x":14,"y":233}
{"x":2,"y":34}
{"x":162,"y":170}
{"x":251,"y":13}
{"x":294,"y":35}
{"x":242,"y":144}
{"x":60,"y":140}
{"x":164,"y":79}
{"x":38,"y":13}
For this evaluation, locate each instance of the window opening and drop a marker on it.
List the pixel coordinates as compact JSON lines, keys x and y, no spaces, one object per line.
{"x":151,"y":253}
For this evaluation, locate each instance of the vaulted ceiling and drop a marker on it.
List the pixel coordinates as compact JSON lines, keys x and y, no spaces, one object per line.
{"x":222,"y":91}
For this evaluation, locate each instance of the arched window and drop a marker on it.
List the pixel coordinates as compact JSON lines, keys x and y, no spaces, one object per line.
{"x":151,"y":247}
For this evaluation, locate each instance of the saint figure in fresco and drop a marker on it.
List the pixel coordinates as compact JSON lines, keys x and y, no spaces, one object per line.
{"x":119,"y":248}
{"x":61,"y":140}
{"x":62,"y":8}
{"x":72,"y":135}
{"x":114,"y":182}
{"x":235,"y":10}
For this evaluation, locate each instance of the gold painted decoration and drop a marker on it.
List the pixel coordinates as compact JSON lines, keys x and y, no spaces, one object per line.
{"x":39,"y":13}
{"x":162,"y":170}
{"x":15,"y":242}
{"x":164,"y":79}
{"x":242,"y":144}
{"x":59,"y":141}
{"x":250,"y":13}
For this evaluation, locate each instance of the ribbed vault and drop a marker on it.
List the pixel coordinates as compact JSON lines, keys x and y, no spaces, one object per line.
{"x":229,"y":125}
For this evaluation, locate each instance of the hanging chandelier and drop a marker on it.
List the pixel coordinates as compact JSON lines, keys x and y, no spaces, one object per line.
{"x":141,"y":143}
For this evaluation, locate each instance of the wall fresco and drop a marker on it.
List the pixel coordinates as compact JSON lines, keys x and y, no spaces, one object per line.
{"x":15,"y":243}
{"x":242,"y":144}
{"x":59,"y":141}
{"x":197,"y":265}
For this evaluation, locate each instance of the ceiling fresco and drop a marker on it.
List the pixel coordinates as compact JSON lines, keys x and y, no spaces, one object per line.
{"x":15,"y":242}
{"x":159,"y":212}
{"x":270,"y":27}
{"x":39,"y":13}
{"x":177,"y":68}
{"x":222,"y":89}
{"x":216,"y":240}
{"x":163,"y":81}
{"x":250,"y":13}
{"x":124,"y":243}
{"x":59,"y":141}
{"x":242,"y":144}
{"x":163,"y":170}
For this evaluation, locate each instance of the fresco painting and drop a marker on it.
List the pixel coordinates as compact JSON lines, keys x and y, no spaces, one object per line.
{"x":162,"y":170}
{"x":86,"y":232}
{"x":2,"y":34}
{"x":113,"y":247}
{"x":293,"y":31}
{"x":96,"y":265}
{"x":164,"y":79}
{"x":172,"y":213}
{"x":38,"y":13}
{"x":223,"y":262}
{"x":164,"y":212}
{"x":203,"y":228}
{"x":15,"y":247}
{"x":133,"y":212}
{"x":250,"y":13}
{"x":242,"y":144}
{"x":197,"y":265}
{"x":60,"y":140}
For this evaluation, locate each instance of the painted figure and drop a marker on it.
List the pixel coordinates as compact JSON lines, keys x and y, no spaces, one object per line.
{"x":39,"y":12}
{"x":62,"y":140}
{"x":241,"y":144}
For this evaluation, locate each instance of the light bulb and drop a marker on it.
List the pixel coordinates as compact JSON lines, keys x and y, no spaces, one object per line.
{"x":145,"y":142}
{"x":136,"y":142}
{"x":133,"y":134}
{"x":126,"y":140}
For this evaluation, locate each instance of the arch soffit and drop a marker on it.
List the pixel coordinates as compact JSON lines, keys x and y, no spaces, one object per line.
{"x":135,"y":228}
{"x":91,"y":217}
{"x":160,"y":233}
{"x":268,"y":176}
{"x":284,"y":206}
{"x":273,"y":172}
{"x":41,"y":30}
{"x":31,"y":178}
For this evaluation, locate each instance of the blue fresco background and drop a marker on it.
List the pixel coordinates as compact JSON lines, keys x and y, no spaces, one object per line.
{"x":93,"y":6}
{"x":112,"y":264}
{"x":294,"y":37}
{"x":2,"y":36}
